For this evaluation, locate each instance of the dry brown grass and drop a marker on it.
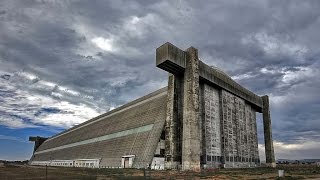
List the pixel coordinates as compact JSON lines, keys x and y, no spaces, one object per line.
{"x":36,"y":172}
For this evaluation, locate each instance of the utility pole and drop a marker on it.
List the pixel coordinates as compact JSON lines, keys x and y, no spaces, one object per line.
{"x":46,"y":171}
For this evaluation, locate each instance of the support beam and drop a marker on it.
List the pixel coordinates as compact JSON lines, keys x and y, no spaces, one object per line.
{"x":173,"y":126}
{"x":270,"y":159}
{"x":170,"y":58}
{"x":174,"y":60}
{"x":191,"y":130}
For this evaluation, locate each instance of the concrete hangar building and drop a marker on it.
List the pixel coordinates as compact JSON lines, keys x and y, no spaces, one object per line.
{"x":202,"y":119}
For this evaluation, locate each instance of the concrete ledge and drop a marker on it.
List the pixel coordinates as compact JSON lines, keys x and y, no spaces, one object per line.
{"x":225,"y":82}
{"x":170,"y":58}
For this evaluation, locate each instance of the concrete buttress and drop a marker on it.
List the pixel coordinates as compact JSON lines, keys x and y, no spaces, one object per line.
{"x":270,"y":159}
{"x":191,"y":130}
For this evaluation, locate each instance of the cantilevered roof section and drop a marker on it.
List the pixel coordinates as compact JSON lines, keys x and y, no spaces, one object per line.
{"x":172,"y":59}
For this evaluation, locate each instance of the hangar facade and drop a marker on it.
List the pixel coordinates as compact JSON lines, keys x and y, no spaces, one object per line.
{"x":202,"y":119}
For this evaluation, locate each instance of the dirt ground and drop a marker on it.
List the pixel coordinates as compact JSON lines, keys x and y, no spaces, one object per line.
{"x":53,"y":173}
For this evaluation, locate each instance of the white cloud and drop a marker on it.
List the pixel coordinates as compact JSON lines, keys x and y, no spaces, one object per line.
{"x":15,"y":123}
{"x":303,"y":149}
{"x":47,"y":83}
{"x":121,"y":81}
{"x":265,"y":70}
{"x":70,"y":114}
{"x":274,"y":46}
{"x":104,"y":43}
{"x":300,"y":73}
{"x":137,"y":27}
{"x":23,"y":104}
{"x":243,"y":76}
{"x":290,"y":75}
{"x":27,"y":75}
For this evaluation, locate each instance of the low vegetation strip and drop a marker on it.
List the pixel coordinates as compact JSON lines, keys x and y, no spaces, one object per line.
{"x":13,"y":172}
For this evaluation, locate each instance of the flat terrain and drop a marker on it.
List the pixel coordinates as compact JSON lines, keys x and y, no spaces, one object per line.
{"x":36,"y":172}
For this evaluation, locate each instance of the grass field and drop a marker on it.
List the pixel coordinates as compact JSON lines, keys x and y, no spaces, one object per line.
{"x":36,"y":172}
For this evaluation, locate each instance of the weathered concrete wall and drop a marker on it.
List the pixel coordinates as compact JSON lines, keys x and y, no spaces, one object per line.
{"x":173,"y":125}
{"x":213,"y":147}
{"x":174,"y":60}
{"x":270,"y":159}
{"x":191,"y":125}
{"x":229,"y":129}
{"x":239,"y":134}
{"x":220,"y":121}
{"x":218,"y":78}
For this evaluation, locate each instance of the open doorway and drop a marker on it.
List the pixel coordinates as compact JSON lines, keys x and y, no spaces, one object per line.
{"x":127,"y":161}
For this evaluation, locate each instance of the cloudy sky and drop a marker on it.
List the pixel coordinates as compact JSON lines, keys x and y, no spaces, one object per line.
{"x":64,"y":62}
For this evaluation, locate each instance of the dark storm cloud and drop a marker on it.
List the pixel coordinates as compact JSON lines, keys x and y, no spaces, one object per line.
{"x":98,"y":55}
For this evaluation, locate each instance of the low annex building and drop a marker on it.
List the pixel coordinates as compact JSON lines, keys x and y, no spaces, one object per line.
{"x":202,"y":119}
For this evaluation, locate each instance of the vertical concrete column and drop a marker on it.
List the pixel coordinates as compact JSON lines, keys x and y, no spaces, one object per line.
{"x":169,"y":125}
{"x":202,"y":122}
{"x":191,"y":130}
{"x":223,"y":133}
{"x":270,"y":160}
{"x":173,"y":123}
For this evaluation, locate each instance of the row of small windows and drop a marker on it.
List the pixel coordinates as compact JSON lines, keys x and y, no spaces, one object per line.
{"x":62,"y":164}
{"x":232,"y":159}
{"x":69,"y":163}
{"x":76,"y":164}
{"x":214,"y":158}
{"x":84,"y":164}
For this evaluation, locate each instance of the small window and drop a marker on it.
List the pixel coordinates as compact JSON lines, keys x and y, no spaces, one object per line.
{"x":162,"y":152}
{"x":208,"y":158}
{"x":218,"y":158}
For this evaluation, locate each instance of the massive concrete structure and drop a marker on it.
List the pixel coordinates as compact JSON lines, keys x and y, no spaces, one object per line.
{"x":203,"y":119}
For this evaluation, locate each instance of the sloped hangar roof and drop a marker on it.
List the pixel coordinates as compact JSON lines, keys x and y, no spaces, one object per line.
{"x":134,"y":128}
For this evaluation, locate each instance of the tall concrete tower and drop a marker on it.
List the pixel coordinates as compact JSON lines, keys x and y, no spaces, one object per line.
{"x":211,"y":119}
